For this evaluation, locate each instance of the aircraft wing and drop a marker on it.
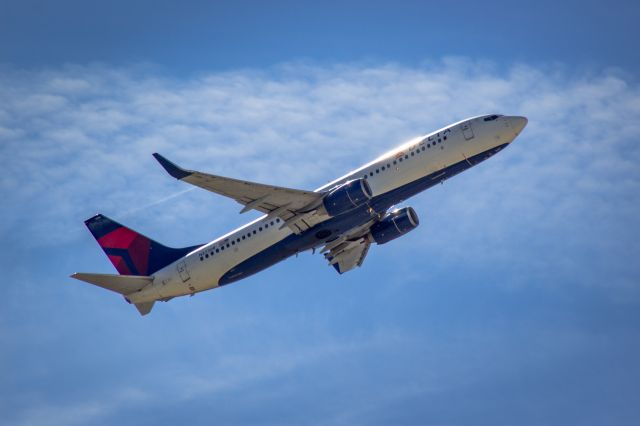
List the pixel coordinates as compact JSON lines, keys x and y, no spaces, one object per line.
{"x":348,"y":256}
{"x":350,"y":250}
{"x":293,"y":206}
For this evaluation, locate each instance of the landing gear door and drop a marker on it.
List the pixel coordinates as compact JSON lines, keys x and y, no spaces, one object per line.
{"x":182,"y":270}
{"x":467,"y":131}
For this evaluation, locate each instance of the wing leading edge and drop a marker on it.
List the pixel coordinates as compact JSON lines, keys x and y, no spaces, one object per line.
{"x":294,"y":206}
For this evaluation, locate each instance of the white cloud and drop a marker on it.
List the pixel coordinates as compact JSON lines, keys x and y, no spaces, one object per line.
{"x":78,"y":140}
{"x":82,"y":412}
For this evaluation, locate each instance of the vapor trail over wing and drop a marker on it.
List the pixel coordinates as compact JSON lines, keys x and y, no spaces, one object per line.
{"x":291,"y":205}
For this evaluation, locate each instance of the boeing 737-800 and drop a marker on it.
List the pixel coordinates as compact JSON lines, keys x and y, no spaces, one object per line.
{"x":341,"y":219}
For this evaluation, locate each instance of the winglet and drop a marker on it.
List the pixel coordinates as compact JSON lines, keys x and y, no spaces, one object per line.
{"x":171,"y":168}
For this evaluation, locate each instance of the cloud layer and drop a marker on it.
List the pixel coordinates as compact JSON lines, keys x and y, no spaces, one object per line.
{"x":523,"y":269}
{"x":77,"y":140}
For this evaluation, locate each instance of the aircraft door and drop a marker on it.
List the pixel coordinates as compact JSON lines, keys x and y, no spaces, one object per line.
{"x":183,"y":271}
{"x":467,"y":131}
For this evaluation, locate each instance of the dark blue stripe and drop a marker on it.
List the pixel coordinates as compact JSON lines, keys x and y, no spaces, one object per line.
{"x":161,"y":256}
{"x":158,"y":255}
{"x":298,"y":243}
{"x":124,"y":254}
{"x":100,"y":225}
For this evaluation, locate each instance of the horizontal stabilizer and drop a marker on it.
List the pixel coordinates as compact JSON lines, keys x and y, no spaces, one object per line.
{"x":123,"y":284}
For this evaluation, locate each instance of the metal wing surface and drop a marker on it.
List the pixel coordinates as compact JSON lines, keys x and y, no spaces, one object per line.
{"x":294,"y":206}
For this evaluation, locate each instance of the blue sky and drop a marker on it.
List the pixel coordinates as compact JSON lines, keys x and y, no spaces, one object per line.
{"x":515,"y":301}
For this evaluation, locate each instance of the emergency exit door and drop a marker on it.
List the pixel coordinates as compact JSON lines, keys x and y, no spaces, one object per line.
{"x":182,"y":270}
{"x":467,"y":131}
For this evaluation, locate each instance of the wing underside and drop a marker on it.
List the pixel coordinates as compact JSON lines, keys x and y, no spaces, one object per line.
{"x":348,"y":255}
{"x":349,"y":251}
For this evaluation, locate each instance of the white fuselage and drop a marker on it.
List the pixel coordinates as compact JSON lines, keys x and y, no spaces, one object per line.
{"x":424,"y":156}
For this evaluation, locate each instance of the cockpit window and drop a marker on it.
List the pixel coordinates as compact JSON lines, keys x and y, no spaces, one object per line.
{"x":492,"y":117}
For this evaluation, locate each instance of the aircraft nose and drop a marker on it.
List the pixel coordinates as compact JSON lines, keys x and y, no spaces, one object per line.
{"x":518,"y":123}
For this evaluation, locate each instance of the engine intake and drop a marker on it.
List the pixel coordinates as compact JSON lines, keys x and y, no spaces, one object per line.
{"x":394,"y":225}
{"x":347,"y":197}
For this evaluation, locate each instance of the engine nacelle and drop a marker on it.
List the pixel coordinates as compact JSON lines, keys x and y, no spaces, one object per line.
{"x":347,"y":197}
{"x":394,"y":225}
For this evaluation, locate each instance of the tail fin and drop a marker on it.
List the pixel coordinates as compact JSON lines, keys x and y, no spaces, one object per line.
{"x":130,"y":252}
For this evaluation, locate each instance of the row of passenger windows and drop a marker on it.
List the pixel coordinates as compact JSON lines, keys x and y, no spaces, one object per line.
{"x":212,"y":251}
{"x":220,"y":248}
{"x":406,"y":157}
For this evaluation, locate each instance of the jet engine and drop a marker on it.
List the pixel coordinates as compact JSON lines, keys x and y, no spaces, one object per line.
{"x":347,"y":197}
{"x":394,"y":224}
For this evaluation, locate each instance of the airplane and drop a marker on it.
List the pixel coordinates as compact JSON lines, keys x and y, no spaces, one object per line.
{"x":341,"y":219}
